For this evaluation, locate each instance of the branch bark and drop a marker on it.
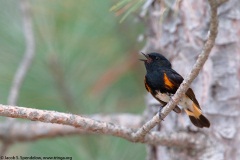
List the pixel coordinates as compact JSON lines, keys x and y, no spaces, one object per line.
{"x":76,"y":124}
{"x":31,"y":131}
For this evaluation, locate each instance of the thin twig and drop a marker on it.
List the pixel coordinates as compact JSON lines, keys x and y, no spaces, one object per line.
{"x":199,"y":63}
{"x":28,"y":55}
{"x":191,"y":76}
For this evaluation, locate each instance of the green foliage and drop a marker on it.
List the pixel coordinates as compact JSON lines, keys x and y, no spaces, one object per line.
{"x":126,"y":7}
{"x":76,"y":43}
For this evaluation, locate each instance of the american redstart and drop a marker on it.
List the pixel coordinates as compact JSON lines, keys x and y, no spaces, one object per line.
{"x":162,"y":82}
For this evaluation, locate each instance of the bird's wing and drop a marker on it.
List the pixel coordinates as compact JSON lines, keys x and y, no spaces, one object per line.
{"x":191,"y":95}
{"x":172,"y":80}
{"x":176,"y":80}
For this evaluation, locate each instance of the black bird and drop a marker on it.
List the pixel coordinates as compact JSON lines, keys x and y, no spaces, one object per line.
{"x":162,"y":82}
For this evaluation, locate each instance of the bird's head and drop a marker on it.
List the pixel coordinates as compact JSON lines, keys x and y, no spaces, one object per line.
{"x":155,"y":60}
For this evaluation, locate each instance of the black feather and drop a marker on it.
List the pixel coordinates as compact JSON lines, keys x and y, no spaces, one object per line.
{"x":204,"y":121}
{"x":200,"y":122}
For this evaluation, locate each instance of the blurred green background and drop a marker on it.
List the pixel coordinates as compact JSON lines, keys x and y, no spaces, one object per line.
{"x":86,"y":63}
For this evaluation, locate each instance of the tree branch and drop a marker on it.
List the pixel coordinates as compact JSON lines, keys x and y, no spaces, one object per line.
{"x":199,"y":63}
{"x":30,"y":131}
{"x":87,"y":125}
{"x":76,"y":124}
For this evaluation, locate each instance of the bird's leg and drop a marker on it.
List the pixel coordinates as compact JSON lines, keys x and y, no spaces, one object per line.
{"x":176,"y":108}
{"x":159,"y":105}
{"x":159,"y":112}
{"x":160,"y":109}
{"x":163,"y":104}
{"x":170,"y":96}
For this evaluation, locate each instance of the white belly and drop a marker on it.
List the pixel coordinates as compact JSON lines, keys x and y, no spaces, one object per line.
{"x":185,"y":102}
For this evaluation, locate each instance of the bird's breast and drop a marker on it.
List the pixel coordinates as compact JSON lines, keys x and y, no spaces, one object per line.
{"x":155,"y":80}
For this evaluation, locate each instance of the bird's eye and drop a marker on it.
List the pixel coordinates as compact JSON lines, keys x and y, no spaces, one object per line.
{"x":156,"y":58}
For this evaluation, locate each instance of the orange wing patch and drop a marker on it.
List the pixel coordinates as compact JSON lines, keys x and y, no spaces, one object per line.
{"x":167,"y":82}
{"x":146,"y":86}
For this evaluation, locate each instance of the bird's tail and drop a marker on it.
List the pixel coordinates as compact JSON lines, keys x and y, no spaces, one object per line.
{"x":196,"y":117}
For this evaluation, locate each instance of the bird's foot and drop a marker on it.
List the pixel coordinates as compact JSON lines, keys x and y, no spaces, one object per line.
{"x":160,"y":113}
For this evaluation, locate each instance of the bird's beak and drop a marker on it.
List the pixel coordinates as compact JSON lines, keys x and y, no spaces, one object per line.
{"x":145,"y":55}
